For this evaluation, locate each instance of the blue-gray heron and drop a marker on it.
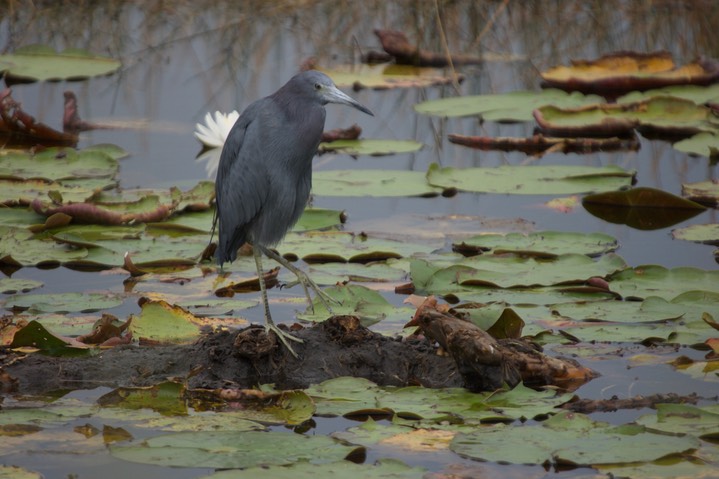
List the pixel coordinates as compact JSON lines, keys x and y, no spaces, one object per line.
{"x":265,"y":174}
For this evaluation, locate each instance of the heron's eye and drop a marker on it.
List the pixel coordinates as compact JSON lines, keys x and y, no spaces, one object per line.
{"x":318,"y":86}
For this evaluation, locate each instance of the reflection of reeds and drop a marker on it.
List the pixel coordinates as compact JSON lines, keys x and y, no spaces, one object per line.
{"x":243,"y":50}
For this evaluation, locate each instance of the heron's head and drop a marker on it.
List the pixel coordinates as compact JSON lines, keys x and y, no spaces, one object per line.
{"x":325,"y":91}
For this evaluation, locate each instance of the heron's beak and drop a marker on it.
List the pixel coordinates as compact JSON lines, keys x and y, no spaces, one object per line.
{"x":335,"y":95}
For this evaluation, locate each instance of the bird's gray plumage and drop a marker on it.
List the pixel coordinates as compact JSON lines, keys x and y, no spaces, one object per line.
{"x":265,"y":172}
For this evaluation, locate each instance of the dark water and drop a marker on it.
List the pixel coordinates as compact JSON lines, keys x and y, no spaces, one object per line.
{"x":183,"y":59}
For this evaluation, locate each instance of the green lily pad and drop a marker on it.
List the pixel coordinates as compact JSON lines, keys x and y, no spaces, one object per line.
{"x":163,"y":322}
{"x":16,"y":192}
{"x":705,"y":192}
{"x":355,"y":300}
{"x":55,"y":164}
{"x":511,"y":272}
{"x":707,"y":233}
{"x":701,"y":422}
{"x":165,"y":398}
{"x":321,"y":247}
{"x":540,"y":244}
{"x":653,"y":280}
{"x":42,"y":63}
{"x":372,"y":183}
{"x":382,"y":469}
{"x":695,"y":93}
{"x":704,"y":144}
{"x":34,"y":335}
{"x":658,"y":115}
{"x":371,"y":147}
{"x":229,"y":449}
{"x":18,"y":285}
{"x":346,"y":396}
{"x":333,"y":273}
{"x":319,"y":219}
{"x":62,"y":302}
{"x":531,"y":180}
{"x":570,"y":438}
{"x":20,"y":217}
{"x":514,"y":106}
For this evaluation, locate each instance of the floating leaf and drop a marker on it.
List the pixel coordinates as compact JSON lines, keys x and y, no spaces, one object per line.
{"x":18,"y":285}
{"x":655,"y":280}
{"x":16,"y":472}
{"x":35,"y":336}
{"x":705,"y":144}
{"x":355,"y":300}
{"x":165,"y":398}
{"x":702,"y":422}
{"x":322,"y":247}
{"x":17,"y":192}
{"x":229,"y":449}
{"x":658,"y":115}
{"x":540,"y":244}
{"x":695,"y":93}
{"x":705,"y":192}
{"x":55,"y":164}
{"x":707,"y":233}
{"x":382,"y":469}
{"x":617,"y":73}
{"x":641,"y":208}
{"x":531,"y":180}
{"x":371,"y":147}
{"x":372,"y":183}
{"x":570,"y":438}
{"x":160,"y":321}
{"x":383,"y":77}
{"x":63,"y":302}
{"x":514,"y":106}
{"x":41,"y":63}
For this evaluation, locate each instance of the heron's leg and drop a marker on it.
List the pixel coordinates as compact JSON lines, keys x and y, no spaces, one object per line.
{"x":269,"y":324}
{"x":304,"y":280}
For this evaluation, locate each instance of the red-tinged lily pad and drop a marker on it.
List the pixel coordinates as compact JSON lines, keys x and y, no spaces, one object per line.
{"x":641,"y":208}
{"x":704,"y":192}
{"x":667,"y":116}
{"x":147,"y":210}
{"x":618,"y":73}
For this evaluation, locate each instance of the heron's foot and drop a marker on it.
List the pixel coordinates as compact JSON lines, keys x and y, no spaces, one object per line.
{"x":283,"y":336}
{"x":325,"y":298}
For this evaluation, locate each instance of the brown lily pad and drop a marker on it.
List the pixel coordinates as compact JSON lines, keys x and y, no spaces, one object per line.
{"x":621,"y":72}
{"x":641,"y":208}
{"x":539,"y":144}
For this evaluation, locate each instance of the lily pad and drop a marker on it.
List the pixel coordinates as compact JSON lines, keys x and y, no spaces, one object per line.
{"x":704,"y":192}
{"x":654,"y":280}
{"x":508,"y":107}
{"x":531,"y":180}
{"x":55,"y":164}
{"x":570,"y":438}
{"x":617,"y":73}
{"x":702,"y":422}
{"x":541,"y":244}
{"x":62,"y":302}
{"x":23,"y":192}
{"x":707,"y":233}
{"x":229,"y":449}
{"x":42,"y":63}
{"x":384,"y":77}
{"x":371,"y":147}
{"x":18,"y":285}
{"x":657,"y":115}
{"x":641,"y":208}
{"x":355,"y":300}
{"x":695,"y":93}
{"x":704,"y":144}
{"x":334,"y":246}
{"x":382,"y":469}
{"x":163,"y":322}
{"x":372,"y":183}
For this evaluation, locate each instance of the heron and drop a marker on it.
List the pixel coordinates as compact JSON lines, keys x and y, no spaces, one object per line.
{"x":265,"y":175}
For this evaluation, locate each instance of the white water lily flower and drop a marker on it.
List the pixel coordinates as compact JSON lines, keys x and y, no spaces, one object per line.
{"x":214,"y":133}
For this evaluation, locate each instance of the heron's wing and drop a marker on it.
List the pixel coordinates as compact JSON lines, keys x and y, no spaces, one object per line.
{"x":238,"y":188}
